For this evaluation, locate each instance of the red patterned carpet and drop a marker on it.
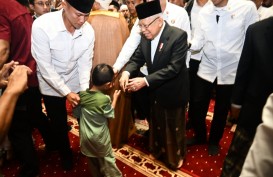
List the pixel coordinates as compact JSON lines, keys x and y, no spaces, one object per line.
{"x":132,"y":159}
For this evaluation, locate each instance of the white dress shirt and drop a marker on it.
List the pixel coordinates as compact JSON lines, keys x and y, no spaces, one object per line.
{"x":265,"y":12}
{"x":222,"y":42}
{"x":173,"y":14}
{"x":155,"y":41}
{"x":64,"y":60}
{"x":194,"y":24}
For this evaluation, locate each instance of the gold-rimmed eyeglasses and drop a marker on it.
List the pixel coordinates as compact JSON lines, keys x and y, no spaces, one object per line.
{"x":42,"y":4}
{"x":147,"y":26}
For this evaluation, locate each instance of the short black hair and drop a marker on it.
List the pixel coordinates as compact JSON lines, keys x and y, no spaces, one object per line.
{"x":102,"y":74}
{"x":31,"y":2}
{"x":23,"y":2}
{"x":116,"y":4}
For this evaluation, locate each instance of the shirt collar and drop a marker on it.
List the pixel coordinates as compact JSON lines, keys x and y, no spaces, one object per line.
{"x":166,"y":10}
{"x":212,"y":8}
{"x":60,"y":26}
{"x":159,"y":34}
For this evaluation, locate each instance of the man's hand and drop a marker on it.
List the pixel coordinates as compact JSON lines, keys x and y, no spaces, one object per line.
{"x":5,"y":71}
{"x":123,"y":81}
{"x":136,"y":84}
{"x":73,"y":98}
{"x":17,"y":81}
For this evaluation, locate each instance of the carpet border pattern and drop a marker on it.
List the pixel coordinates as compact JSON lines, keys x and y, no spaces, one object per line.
{"x":131,"y":154}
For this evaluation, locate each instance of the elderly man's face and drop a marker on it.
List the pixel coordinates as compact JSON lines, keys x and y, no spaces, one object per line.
{"x":151,"y":26}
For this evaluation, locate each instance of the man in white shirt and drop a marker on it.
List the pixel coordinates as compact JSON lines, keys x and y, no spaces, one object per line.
{"x":62,"y":45}
{"x":220,"y":35}
{"x":193,"y":8}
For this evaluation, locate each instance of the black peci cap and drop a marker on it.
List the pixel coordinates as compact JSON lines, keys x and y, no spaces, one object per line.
{"x":148,"y":9}
{"x":83,"y":6}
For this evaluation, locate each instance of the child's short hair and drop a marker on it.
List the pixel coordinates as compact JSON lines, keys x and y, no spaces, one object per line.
{"x":102,"y":74}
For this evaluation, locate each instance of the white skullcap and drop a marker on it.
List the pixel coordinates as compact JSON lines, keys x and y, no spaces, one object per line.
{"x":123,"y":7}
{"x":104,"y":3}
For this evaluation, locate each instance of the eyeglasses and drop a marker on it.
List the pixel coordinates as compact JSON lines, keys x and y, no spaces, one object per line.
{"x":147,"y":26}
{"x":42,"y":4}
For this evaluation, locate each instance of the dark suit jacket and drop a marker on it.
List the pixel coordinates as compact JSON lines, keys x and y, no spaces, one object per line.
{"x":254,"y":78}
{"x":168,"y":75}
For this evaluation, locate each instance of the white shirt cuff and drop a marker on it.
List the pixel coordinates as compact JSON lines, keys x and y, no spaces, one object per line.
{"x":146,"y":81}
{"x":236,"y":106}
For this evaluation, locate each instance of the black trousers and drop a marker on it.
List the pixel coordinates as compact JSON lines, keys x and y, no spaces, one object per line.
{"x":194,"y":65}
{"x":200,"y":103}
{"x":28,"y":114}
{"x":56,"y":111}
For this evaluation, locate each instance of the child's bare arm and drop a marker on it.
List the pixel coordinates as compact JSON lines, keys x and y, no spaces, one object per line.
{"x":115,"y":98}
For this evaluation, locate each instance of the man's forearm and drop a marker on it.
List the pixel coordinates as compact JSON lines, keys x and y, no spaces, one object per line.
{"x":4,"y":52}
{"x":7,"y":104}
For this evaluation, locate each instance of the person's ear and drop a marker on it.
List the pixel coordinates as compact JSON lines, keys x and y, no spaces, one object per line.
{"x":107,"y":85}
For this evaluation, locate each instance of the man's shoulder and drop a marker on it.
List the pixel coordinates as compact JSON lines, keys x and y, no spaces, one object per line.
{"x":88,"y":31}
{"x":47,"y":20}
{"x":174,"y":29}
{"x":264,"y":24}
{"x":105,"y":13}
{"x":175,"y":9}
{"x":240,"y":5}
{"x":11,"y":9}
{"x":174,"y":32}
{"x":87,"y":27}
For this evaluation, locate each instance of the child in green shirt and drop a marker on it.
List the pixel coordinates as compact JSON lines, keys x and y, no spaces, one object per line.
{"x":95,"y":109}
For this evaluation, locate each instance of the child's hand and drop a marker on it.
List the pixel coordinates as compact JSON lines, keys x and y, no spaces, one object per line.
{"x":115,"y":98}
{"x":116,"y":94}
